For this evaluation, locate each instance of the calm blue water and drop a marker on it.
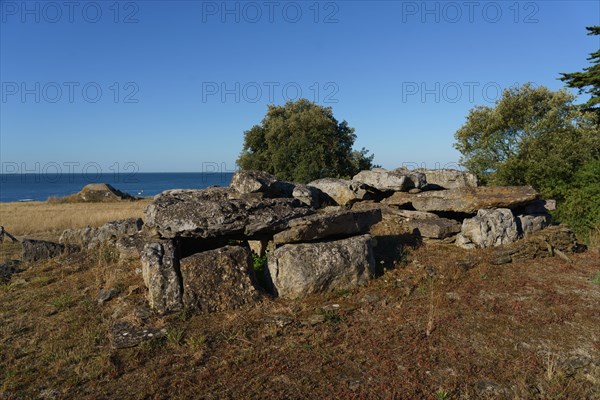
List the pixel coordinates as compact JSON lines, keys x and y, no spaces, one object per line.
{"x":18,"y":187}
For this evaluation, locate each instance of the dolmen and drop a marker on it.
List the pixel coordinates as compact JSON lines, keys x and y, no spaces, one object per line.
{"x":221,"y":248}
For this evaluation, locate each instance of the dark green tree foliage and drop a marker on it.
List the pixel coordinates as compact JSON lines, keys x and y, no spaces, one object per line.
{"x":302,"y":141}
{"x":581,"y":209}
{"x":588,"y":80}
{"x":531,"y":136}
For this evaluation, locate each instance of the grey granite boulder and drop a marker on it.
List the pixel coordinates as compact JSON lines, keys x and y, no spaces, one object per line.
{"x":309,"y":195}
{"x":218,"y":280}
{"x":160,"y":270}
{"x":398,"y":180}
{"x":448,"y":178}
{"x":246,"y":182}
{"x":209,"y":213}
{"x":300,"y":269}
{"x":491,"y":227}
{"x":530,"y":223}
{"x":342,"y":192}
{"x":326,"y":225}
{"x":434,"y":228}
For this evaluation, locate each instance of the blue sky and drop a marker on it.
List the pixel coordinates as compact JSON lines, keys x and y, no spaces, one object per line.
{"x":172,"y":86}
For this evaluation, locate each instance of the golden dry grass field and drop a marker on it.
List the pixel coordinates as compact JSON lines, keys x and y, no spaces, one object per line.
{"x":49,"y":219}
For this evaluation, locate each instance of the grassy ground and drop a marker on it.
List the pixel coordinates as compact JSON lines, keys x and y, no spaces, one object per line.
{"x":34,"y":218}
{"x":446,"y":324}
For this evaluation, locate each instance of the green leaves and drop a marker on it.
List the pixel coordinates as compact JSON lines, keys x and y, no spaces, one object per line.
{"x":302,"y":141}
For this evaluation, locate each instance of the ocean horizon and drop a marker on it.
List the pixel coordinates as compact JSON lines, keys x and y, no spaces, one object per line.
{"x":40,"y":187}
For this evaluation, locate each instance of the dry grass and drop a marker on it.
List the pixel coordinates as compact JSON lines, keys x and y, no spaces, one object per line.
{"x":430,"y":329}
{"x":26,"y":219}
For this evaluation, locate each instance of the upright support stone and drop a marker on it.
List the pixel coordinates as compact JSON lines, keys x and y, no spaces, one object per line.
{"x":160,"y":269}
{"x":300,"y":269}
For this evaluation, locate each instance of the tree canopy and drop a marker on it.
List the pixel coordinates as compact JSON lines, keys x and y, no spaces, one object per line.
{"x":588,"y":80}
{"x":302,"y":141}
{"x":532,"y":136}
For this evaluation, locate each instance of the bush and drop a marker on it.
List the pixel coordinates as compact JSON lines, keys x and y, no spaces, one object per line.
{"x":581,"y":207}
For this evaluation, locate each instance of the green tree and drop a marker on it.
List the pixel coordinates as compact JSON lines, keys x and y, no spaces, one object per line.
{"x":588,"y":80}
{"x":531,"y":136}
{"x":302,"y":141}
{"x":581,"y":208}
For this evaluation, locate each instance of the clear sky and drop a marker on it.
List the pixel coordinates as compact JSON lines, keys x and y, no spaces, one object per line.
{"x":172,"y":85}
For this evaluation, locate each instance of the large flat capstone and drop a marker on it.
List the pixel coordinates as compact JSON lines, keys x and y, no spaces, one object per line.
{"x":211,"y":212}
{"x":471,"y":199}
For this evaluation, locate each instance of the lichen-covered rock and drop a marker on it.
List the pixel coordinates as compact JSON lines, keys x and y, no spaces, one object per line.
{"x":300,"y":269}
{"x":246,"y":182}
{"x":326,"y":225}
{"x":160,"y":270}
{"x":533,"y":222}
{"x":448,"y":178}
{"x":91,"y":238}
{"x":398,"y":180}
{"x":36,"y":250}
{"x":309,"y":195}
{"x":8,"y":268}
{"x":434,"y":228}
{"x":209,"y":213}
{"x":471,"y":199}
{"x":399,"y":199}
{"x":342,"y":192}
{"x":130,"y":247}
{"x":490,"y":227}
{"x":545,"y":243}
{"x":218,"y":280}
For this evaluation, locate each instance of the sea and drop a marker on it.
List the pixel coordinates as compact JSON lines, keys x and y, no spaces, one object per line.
{"x":39,"y":187}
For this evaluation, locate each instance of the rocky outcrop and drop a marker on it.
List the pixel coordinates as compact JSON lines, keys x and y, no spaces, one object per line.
{"x":469,"y":200}
{"x":300,"y":269}
{"x":398,"y":180}
{"x":98,"y":192}
{"x":160,"y":269}
{"x":209,"y":213}
{"x":36,"y":250}
{"x":491,"y":227}
{"x":448,"y":179}
{"x":218,"y":280}
{"x":342,"y":192}
{"x":326,"y":225}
